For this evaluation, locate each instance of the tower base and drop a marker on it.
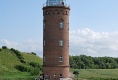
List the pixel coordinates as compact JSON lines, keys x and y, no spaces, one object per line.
{"x":56,"y":73}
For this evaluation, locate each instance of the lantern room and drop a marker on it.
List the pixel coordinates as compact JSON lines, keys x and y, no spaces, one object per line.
{"x":56,"y":3}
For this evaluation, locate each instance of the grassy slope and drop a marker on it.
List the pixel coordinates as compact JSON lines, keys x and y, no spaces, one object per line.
{"x":97,"y":73}
{"x":31,"y":58}
{"x":8,"y":60}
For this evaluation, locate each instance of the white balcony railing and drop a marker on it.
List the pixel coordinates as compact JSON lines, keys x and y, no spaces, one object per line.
{"x":56,"y":4}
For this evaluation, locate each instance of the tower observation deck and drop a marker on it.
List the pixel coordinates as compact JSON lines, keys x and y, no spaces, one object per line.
{"x":56,"y":3}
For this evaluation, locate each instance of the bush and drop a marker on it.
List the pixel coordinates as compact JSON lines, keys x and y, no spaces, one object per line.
{"x":35,"y":71}
{"x":17,"y":53}
{"x":4,"y":47}
{"x":33,"y":64}
{"x":22,"y":68}
{"x":22,"y":61}
{"x":33,"y":53}
{"x":0,"y":49}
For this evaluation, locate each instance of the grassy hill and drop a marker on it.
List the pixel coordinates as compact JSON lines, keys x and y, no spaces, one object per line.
{"x":16,"y":64}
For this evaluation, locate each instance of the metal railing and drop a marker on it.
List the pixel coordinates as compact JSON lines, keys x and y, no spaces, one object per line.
{"x":56,"y":4}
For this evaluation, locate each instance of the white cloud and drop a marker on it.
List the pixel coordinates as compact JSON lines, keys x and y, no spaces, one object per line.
{"x":82,"y":41}
{"x":25,"y":46}
{"x":88,"y":42}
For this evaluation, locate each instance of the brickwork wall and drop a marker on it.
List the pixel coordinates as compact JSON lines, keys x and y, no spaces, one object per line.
{"x":56,"y":70}
{"x":51,"y":35}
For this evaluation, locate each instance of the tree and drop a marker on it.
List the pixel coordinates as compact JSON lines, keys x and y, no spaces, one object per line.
{"x":0,"y":49}
{"x":88,"y":62}
{"x":33,"y":53}
{"x":4,"y":47}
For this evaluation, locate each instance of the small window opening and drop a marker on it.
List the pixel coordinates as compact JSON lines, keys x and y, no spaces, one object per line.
{"x":61,"y":76}
{"x":54,"y":75}
{"x":44,"y":43}
{"x":61,"y":24}
{"x":61,"y":42}
{"x":44,"y":58}
{"x":61,"y":59}
{"x":44,"y":25}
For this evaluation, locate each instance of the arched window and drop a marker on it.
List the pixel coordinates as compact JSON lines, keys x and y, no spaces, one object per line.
{"x":61,"y":42}
{"x":61,"y":24}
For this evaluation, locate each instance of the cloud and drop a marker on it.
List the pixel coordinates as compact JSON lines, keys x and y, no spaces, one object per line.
{"x":82,"y":41}
{"x":25,"y":46}
{"x":88,"y":42}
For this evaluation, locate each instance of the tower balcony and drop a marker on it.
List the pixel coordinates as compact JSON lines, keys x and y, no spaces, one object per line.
{"x":56,"y":4}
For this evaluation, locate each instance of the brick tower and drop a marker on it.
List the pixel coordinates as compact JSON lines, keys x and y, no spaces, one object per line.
{"x":56,"y":40}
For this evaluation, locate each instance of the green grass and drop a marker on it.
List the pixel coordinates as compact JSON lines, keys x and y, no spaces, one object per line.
{"x":8,"y":60}
{"x":94,"y":74}
{"x":32,"y":58}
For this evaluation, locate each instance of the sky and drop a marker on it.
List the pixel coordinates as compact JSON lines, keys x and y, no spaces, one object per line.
{"x":93,"y":26}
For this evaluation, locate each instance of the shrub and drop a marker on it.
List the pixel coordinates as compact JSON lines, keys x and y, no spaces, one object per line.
{"x":33,"y":64}
{"x":22,"y":68}
{"x":33,"y":53}
{"x":35,"y":71}
{"x":22,"y":61}
{"x":4,"y":47}
{"x":0,"y":49}
{"x":17,"y":53}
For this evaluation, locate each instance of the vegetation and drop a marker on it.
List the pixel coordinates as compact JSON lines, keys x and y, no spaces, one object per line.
{"x":88,"y":62}
{"x":4,"y":47}
{"x":97,"y":74}
{"x":18,"y":65}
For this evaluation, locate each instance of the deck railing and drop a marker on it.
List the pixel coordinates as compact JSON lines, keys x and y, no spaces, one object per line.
{"x":56,"y":4}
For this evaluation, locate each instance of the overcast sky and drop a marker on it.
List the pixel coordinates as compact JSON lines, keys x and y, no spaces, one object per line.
{"x":93,"y":26}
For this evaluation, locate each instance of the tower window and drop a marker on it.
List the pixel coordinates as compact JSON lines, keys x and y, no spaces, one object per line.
{"x":44,"y":25}
{"x":44,"y":58}
{"x":44,"y":43}
{"x":61,"y":42}
{"x":61,"y":24}
{"x":47,"y":76}
{"x":61,"y":59}
{"x":61,"y":76}
{"x":54,"y":75}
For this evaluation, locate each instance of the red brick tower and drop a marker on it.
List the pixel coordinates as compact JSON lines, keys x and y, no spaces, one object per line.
{"x":56,"y":40}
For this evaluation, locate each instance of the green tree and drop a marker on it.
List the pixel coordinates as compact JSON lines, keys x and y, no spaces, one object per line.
{"x":4,"y":47}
